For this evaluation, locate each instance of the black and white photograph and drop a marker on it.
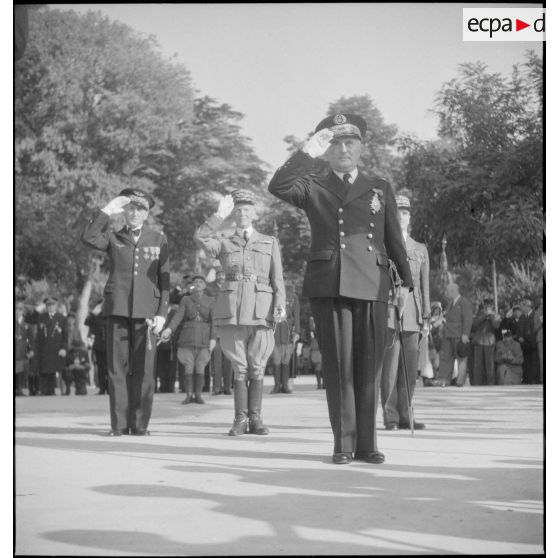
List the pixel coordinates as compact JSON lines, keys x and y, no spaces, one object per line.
{"x":279,"y":276}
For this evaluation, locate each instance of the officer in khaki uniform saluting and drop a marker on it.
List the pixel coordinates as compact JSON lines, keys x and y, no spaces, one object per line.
{"x":415,"y":316}
{"x":355,"y":229}
{"x":250,"y":301}
{"x":136,"y":302}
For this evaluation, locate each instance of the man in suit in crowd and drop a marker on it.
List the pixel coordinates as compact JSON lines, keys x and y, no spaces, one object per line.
{"x":414,"y":320}
{"x":52,"y":339}
{"x":136,"y":303}
{"x":250,"y":302}
{"x":527,"y":337}
{"x":287,"y":333}
{"x":355,"y":229}
{"x":196,"y":340}
{"x":456,"y":330}
{"x":97,"y":324}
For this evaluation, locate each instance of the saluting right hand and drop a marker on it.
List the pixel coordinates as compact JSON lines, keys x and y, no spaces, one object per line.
{"x":226,"y":206}
{"x":116,"y":205}
{"x":317,"y":145}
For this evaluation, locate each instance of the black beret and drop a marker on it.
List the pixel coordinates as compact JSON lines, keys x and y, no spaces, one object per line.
{"x":344,"y":125}
{"x":198,"y":276}
{"x":138,"y":197}
{"x":50,"y":300}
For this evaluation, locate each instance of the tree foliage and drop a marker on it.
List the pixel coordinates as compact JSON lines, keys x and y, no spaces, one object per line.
{"x":98,"y":109}
{"x":480,"y":184}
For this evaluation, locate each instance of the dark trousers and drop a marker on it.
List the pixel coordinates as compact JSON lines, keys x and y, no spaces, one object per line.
{"x":131,"y":369}
{"x":531,"y":367}
{"x":102,"y":372}
{"x":166,"y":370}
{"x":394,"y":387}
{"x":222,"y":370}
{"x":483,"y":366}
{"x":351,"y":335}
{"x":47,"y":384}
{"x":34,"y":387}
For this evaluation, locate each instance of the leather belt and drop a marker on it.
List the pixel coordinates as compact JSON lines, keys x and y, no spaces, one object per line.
{"x":253,"y":278}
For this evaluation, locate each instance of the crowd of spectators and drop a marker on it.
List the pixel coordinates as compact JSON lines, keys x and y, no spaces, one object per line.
{"x":504,"y":347}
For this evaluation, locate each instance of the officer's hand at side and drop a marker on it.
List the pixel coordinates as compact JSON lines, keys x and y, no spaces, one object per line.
{"x":166,"y":335}
{"x":62,"y":352}
{"x":465,"y":338}
{"x":41,"y":307}
{"x":226,"y":206}
{"x":158,"y":324}
{"x":317,"y":145}
{"x":212,"y":343}
{"x":30,"y":354}
{"x":116,"y":205}
{"x":279,"y":314}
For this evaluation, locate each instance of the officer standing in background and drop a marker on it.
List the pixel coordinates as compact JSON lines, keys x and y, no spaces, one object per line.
{"x":249,"y":303}
{"x":287,"y":333}
{"x":97,"y":324}
{"x":355,"y":229}
{"x":136,"y":303}
{"x":52,"y":339}
{"x":415,"y":318}
{"x":196,"y":339}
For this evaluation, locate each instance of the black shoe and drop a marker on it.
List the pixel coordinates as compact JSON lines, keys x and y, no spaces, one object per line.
{"x":392,"y":426}
{"x":342,"y":458}
{"x":118,"y":432}
{"x":276,"y":389}
{"x":416,"y":426}
{"x":240,"y":425}
{"x":227,"y":392}
{"x":140,"y":432}
{"x":198,"y":399}
{"x":286,"y":390}
{"x":218,"y":392}
{"x":370,"y":456}
{"x":256,"y":426}
{"x":188,"y":399}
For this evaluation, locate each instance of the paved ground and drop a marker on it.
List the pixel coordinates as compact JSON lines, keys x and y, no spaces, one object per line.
{"x":471,"y":483}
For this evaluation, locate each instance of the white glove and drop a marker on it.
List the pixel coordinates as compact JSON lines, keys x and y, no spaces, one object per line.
{"x":166,"y":335}
{"x":212,"y":343}
{"x":62,"y":353}
{"x":280,"y":314}
{"x":226,"y":206}
{"x":158,"y":324}
{"x":317,"y":145}
{"x":116,"y":205}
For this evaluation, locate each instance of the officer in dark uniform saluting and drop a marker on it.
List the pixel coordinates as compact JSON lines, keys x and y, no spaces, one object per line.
{"x":136,"y":302}
{"x":355,"y":229}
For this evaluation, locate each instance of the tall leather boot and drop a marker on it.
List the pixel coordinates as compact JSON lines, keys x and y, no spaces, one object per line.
{"x":285,"y":373}
{"x":188,"y":387}
{"x":276,"y":378}
{"x":199,"y":385}
{"x":240,"y":424}
{"x":255,"y":394}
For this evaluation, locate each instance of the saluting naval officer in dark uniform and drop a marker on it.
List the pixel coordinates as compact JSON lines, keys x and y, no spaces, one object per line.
{"x":250,"y":301}
{"x":136,"y":302}
{"x":355,"y":229}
